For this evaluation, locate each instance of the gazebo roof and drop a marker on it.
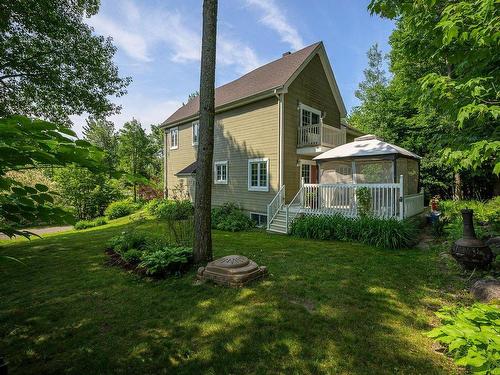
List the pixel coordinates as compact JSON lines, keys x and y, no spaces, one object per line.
{"x":367,"y":145}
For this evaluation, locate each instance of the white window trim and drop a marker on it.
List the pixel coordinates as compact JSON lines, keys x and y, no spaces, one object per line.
{"x":176,"y":129}
{"x":221,"y":182}
{"x":193,"y":124}
{"x":310,"y":109}
{"x":258,"y":188}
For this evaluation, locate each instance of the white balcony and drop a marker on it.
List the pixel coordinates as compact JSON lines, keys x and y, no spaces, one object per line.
{"x":317,"y":138}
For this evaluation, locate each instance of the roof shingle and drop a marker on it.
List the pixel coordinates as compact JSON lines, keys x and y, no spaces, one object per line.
{"x":262,"y":79}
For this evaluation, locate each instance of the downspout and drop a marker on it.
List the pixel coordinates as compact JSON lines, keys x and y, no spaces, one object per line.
{"x":164,"y":164}
{"x":281,"y":147}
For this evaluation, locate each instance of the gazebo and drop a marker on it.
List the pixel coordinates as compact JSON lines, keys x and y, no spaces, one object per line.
{"x":383,"y":176}
{"x":370,"y":160}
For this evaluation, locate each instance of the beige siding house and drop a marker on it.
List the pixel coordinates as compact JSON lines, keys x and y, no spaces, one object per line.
{"x":270,"y":123}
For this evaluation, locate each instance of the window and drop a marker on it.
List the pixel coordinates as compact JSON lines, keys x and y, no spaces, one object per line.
{"x":195,"y":130}
{"x":174,"y":138}
{"x":220,"y":172}
{"x":260,"y":219}
{"x":309,"y":115}
{"x":258,"y":174}
{"x":305,"y":173}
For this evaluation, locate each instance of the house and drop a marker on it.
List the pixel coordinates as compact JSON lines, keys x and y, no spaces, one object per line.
{"x":270,"y":124}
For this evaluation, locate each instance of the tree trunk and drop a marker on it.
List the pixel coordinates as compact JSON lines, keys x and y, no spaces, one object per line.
{"x":202,"y":246}
{"x":457,"y":188}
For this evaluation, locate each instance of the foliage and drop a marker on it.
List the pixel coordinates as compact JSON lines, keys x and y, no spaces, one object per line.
{"x":160,"y":261}
{"x":101,"y":133}
{"x":472,"y":335}
{"x":486,"y":217}
{"x":172,"y":209}
{"x":132,"y":256}
{"x":135,"y":153}
{"x":87,"y":192}
{"x":120,"y":208}
{"x":52,"y":63}
{"x":231,"y":218}
{"x":33,"y":144}
{"x":385,"y":233}
{"x":85,"y":224}
{"x":127,"y":240}
{"x":364,"y":201}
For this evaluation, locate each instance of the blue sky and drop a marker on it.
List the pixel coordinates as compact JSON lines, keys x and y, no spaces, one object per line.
{"x":158,"y":45}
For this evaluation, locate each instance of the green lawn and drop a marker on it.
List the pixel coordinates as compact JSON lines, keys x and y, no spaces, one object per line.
{"x":328,"y":307}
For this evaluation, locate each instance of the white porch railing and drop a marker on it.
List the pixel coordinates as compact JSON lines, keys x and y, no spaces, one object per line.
{"x":275,"y":205}
{"x":342,"y":198}
{"x":413,"y":204}
{"x":387,"y":201}
{"x":320,"y":135}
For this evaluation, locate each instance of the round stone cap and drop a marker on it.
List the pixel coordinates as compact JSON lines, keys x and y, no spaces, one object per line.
{"x":231,"y":261}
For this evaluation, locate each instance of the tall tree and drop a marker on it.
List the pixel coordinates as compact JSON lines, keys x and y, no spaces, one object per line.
{"x":135,"y":153}
{"x":203,"y":197}
{"x":51,"y":63}
{"x":101,"y":133}
{"x":446,"y":53}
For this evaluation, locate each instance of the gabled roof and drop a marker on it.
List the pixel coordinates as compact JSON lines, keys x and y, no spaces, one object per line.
{"x":367,"y":145}
{"x":277,"y":74}
{"x":187,"y":171}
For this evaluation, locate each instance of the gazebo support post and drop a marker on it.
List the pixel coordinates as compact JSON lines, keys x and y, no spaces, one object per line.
{"x":401,"y":198}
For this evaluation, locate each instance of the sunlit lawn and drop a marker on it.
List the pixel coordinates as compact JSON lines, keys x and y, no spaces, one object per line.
{"x":328,"y":307}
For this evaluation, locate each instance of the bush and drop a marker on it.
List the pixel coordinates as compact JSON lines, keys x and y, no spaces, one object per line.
{"x":84,"y":224}
{"x":168,"y":259}
{"x":128,"y":240}
{"x":230,"y":218}
{"x":132,"y":256}
{"x":472,"y":336}
{"x":120,"y":208}
{"x":386,"y":233}
{"x":171,"y":209}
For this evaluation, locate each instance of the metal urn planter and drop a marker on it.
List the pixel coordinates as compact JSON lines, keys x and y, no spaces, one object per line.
{"x":470,"y":251}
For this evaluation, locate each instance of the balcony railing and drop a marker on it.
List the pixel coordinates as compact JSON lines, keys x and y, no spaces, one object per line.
{"x":320,"y":135}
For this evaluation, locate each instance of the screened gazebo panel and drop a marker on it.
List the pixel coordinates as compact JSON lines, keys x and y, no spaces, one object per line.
{"x":409,"y":169}
{"x":374,"y":171}
{"x":336,"y":172}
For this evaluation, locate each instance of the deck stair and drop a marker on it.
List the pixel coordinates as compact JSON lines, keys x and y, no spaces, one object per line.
{"x":279,"y":224}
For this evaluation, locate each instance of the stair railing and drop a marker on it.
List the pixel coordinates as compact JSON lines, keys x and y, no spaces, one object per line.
{"x":275,"y":206}
{"x":298,"y":201}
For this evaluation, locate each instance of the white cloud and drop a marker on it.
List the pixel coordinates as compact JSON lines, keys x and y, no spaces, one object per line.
{"x":139,"y":31}
{"x":133,"y":44}
{"x":274,"y":18}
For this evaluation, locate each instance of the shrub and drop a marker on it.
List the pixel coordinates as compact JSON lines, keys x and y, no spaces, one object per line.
{"x":472,"y":336}
{"x":172,"y":209}
{"x":387,"y":233}
{"x":119,"y":209}
{"x":132,"y":256}
{"x":84,"y":224}
{"x":128,"y":240}
{"x":168,"y":259}
{"x":230,"y":218}
{"x":364,"y":199}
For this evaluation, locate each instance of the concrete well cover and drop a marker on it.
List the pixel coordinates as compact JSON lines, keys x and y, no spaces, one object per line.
{"x":232,"y":270}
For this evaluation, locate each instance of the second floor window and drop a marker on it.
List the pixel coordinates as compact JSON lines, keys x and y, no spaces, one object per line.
{"x":196,"y":132}
{"x":309,"y":116}
{"x":258,"y":174}
{"x":174,"y":138}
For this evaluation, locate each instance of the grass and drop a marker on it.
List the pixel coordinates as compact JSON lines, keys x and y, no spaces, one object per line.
{"x":327,"y":307}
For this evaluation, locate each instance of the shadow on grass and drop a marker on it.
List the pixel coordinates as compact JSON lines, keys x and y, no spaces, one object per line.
{"x":327,"y":307}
